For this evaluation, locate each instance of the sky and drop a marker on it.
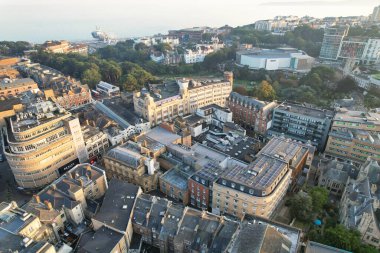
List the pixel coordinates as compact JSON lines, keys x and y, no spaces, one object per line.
{"x":40,"y":20}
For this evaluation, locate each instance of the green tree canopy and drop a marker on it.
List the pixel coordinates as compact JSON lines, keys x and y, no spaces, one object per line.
{"x":301,"y":207}
{"x":265,"y":91}
{"x":319,"y":198}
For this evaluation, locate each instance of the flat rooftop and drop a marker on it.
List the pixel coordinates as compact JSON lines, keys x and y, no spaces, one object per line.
{"x":130,"y":157}
{"x":162,"y":135}
{"x":118,"y":204}
{"x":259,"y":175}
{"x":215,"y":106}
{"x":315,"y":247}
{"x":7,"y":104}
{"x":305,"y":110}
{"x":286,"y":149}
{"x":37,"y":114}
{"x":272,"y":53}
{"x":178,"y":176}
{"x":370,"y":118}
{"x":16,"y":83}
{"x":102,"y":240}
{"x":162,"y":91}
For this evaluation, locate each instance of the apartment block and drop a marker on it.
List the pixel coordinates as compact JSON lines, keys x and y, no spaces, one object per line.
{"x":302,"y":123}
{"x":132,"y":162}
{"x":258,"y":188}
{"x":64,"y":47}
{"x":332,"y":40}
{"x":251,"y":113}
{"x":12,"y":88}
{"x":166,"y":101}
{"x":43,"y":141}
{"x":354,"y":136}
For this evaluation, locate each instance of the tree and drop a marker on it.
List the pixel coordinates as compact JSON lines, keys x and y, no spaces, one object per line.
{"x":241,"y":90}
{"x":265,"y":91}
{"x":129,"y":82}
{"x":346,"y":84}
{"x":341,"y":237}
{"x":319,"y":197}
{"x":91,"y":77}
{"x":162,"y":47}
{"x":301,"y":207}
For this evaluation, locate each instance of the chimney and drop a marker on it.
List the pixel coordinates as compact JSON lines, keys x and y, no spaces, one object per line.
{"x":37,"y":198}
{"x":48,"y":204}
{"x":373,"y":189}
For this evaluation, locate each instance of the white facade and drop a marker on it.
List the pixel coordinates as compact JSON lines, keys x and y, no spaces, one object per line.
{"x":263,"y":25}
{"x":372,"y":51}
{"x":157,"y":58}
{"x":275,"y":59}
{"x":107,"y":88}
{"x":194,"y":56}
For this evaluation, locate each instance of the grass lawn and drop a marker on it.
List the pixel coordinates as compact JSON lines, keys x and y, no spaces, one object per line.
{"x":248,"y":85}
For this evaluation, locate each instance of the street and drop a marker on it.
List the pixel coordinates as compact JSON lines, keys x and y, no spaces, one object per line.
{"x":8,"y":188}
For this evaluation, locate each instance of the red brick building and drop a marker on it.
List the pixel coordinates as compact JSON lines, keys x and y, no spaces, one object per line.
{"x":252,"y":114}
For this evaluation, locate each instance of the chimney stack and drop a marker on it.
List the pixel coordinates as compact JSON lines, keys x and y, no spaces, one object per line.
{"x":37,"y":198}
{"x":48,"y":204}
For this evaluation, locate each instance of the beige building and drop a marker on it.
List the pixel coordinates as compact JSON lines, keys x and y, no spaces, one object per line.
{"x":96,"y":142}
{"x":21,"y":231}
{"x":354,"y":136}
{"x":12,"y":88}
{"x":44,"y":141}
{"x":65,"y":47}
{"x":9,"y":107}
{"x":258,"y":188}
{"x":66,"y":199}
{"x":165,"y":102}
{"x":254,"y":190}
{"x":131,"y":162}
{"x":360,"y":203}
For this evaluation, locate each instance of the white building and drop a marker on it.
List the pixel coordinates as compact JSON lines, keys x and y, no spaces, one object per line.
{"x":157,"y":57}
{"x":263,"y":25}
{"x":275,"y":59}
{"x":201,"y":50}
{"x":96,"y":142}
{"x":107,"y":88}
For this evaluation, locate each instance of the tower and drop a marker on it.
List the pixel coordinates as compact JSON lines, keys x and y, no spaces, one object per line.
{"x":229,"y":76}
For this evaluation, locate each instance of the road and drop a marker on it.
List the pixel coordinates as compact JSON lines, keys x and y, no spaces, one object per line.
{"x":8,"y":187}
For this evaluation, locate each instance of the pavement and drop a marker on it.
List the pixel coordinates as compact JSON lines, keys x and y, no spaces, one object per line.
{"x":8,"y":186}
